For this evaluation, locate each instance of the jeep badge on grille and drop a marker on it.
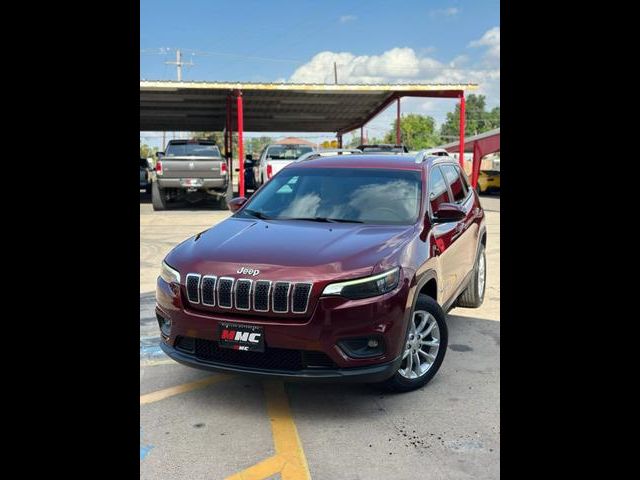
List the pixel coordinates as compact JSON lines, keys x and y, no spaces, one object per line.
{"x":248,"y":271}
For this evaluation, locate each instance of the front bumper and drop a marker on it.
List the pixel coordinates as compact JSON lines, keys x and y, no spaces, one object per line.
{"x":330,"y":321}
{"x":370,"y":374}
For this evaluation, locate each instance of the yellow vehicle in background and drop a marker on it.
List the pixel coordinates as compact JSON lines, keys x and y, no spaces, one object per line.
{"x":488,"y":180}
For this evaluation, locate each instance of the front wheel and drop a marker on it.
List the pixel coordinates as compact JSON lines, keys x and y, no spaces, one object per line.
{"x":424,"y":348}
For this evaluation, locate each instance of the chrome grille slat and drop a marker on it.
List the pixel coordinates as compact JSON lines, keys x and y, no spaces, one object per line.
{"x":225,"y":292}
{"x":260,"y":297}
{"x":300,"y":297}
{"x":193,"y":287}
{"x":280,"y":296}
{"x":208,"y":290}
{"x":245,"y":294}
{"x":242,"y":294}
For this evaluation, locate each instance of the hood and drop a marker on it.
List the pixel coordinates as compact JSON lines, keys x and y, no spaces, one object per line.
{"x":292,"y":250}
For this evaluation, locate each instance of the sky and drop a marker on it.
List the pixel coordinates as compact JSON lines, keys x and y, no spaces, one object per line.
{"x":372,"y":41}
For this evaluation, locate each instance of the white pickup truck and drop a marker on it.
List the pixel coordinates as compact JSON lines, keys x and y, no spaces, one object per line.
{"x":274,"y":158}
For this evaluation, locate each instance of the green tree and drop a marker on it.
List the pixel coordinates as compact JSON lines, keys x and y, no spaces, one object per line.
{"x":477,"y":119}
{"x":146,"y":151}
{"x":416,"y":132}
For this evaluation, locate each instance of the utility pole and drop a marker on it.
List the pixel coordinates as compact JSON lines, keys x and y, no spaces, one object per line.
{"x":335,"y":72}
{"x":179,"y":64}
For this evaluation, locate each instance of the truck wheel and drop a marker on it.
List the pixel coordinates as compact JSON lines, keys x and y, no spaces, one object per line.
{"x":158,"y":199}
{"x":424,"y":347}
{"x":473,"y":296}
{"x":222,"y":202}
{"x":147,"y":189}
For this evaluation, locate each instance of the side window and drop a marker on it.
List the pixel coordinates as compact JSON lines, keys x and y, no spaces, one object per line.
{"x":437,"y":189}
{"x":454,"y":180}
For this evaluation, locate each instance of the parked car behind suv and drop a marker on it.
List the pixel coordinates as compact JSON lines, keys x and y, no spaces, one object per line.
{"x":339,"y":268}
{"x":145,"y":175}
{"x":274,"y":158}
{"x":190,"y":170}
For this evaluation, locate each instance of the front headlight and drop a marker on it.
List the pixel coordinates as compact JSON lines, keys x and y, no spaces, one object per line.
{"x":365,"y":287}
{"x":169,"y":274}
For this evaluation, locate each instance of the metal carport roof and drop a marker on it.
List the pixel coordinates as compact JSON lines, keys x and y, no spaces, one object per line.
{"x":275,"y":107}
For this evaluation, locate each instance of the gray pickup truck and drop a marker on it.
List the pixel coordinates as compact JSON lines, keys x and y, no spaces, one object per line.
{"x":189,"y":170}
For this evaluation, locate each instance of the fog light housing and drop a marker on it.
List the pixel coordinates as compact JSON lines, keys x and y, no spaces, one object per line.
{"x":362,"y":347}
{"x":165,"y":324}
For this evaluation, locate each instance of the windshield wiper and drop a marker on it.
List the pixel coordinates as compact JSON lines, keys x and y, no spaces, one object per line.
{"x":255,"y":213}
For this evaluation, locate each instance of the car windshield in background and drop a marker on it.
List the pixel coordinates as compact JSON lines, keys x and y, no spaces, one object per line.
{"x":192,"y":150}
{"x":358,"y":195}
{"x":381,"y":149}
{"x":286,"y":152}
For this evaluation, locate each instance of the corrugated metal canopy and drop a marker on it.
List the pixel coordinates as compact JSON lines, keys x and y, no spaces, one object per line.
{"x":492,"y":136}
{"x":283,"y":107}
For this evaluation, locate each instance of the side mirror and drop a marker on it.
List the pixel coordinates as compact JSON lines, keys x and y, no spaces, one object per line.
{"x":449,"y":212}
{"x":159,"y":154}
{"x":236,"y":203}
{"x":248,"y":163}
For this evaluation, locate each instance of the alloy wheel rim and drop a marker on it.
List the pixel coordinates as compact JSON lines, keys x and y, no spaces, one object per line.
{"x":481,"y":276}
{"x":422,"y":346}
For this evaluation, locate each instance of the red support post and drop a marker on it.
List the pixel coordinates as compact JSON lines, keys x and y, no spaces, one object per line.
{"x":477,"y":158}
{"x":240,"y":144}
{"x":229,"y":142}
{"x":462,"y":123}
{"x":398,"y":124}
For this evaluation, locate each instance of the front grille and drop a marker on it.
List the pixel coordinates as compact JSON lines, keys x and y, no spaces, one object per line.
{"x":245,"y":294}
{"x":270,"y":359}
{"x":225,"y":287}
{"x":317,"y":360}
{"x":193,"y":288}
{"x":185,"y":344}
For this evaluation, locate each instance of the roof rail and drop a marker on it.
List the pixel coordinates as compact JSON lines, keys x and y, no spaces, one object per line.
{"x":421,"y":156}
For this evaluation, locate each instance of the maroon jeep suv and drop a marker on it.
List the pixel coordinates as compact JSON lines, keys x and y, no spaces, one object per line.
{"x":338,"y":268}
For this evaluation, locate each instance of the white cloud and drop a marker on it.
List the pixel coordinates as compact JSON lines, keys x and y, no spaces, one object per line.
{"x":445,"y":12}
{"x":404,"y":65}
{"x":347,"y":18}
{"x":491,"y":41}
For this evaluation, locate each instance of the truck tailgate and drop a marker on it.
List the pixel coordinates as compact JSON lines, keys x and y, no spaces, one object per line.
{"x":191,"y":167}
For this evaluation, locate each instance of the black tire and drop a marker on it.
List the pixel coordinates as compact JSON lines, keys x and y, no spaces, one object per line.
{"x":472,"y":297}
{"x":158,"y":198}
{"x":399,"y":383}
{"x":222,"y":202}
{"x":147,"y":189}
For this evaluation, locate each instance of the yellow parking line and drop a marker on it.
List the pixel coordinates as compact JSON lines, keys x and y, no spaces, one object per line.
{"x":289,"y":459}
{"x":178,"y":389}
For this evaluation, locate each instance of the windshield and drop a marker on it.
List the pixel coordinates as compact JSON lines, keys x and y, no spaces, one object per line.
{"x":192,"y":150}
{"x":370,"y":196}
{"x":286,"y":152}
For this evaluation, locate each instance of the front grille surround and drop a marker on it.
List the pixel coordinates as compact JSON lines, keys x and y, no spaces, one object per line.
{"x":239,"y":282}
{"x":208,"y":286}
{"x":193,"y":291}
{"x":263,"y":298}
{"x":276,"y":293}
{"x":225,"y":281}
{"x":300,"y":287}
{"x":249,"y":295}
